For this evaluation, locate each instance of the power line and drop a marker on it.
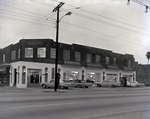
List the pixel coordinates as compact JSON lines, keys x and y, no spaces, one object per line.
{"x":107,"y":23}
{"x":30,"y":27}
{"x":80,"y":8}
{"x":102,"y":33}
{"x":102,"y":39}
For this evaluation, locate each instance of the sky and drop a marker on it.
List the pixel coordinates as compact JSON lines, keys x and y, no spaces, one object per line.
{"x":106,"y":24}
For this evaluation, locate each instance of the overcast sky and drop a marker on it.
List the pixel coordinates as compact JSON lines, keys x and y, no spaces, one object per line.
{"x":105,"y":24}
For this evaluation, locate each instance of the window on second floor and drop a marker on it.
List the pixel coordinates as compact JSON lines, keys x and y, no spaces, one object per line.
{"x":13,"y":55}
{"x":88,"y":57}
{"x":129,"y":63}
{"x":3,"y":57}
{"x":107,"y":60}
{"x":97,"y":58}
{"x":77,"y":56}
{"x":28,"y":52}
{"x":41,"y":52}
{"x":18,"y":53}
{"x":66,"y":55}
{"x":114,"y":61}
{"x":124,"y":62}
{"x":53,"y":53}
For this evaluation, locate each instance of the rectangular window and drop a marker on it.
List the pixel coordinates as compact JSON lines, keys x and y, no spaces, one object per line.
{"x":18,"y":53}
{"x":114,"y":61}
{"x":13,"y":55}
{"x":28,"y":52}
{"x":3,"y":57}
{"x":66,"y":55}
{"x":88,"y":57}
{"x":53,"y":53}
{"x":53,"y":73}
{"x":129,"y":63}
{"x":77,"y":56}
{"x":41,"y":52}
{"x":97,"y":58}
{"x":107,"y":60}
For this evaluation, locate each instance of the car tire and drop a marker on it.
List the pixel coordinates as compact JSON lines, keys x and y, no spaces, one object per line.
{"x":98,"y":85}
{"x":44,"y":86}
{"x":86,"y":86}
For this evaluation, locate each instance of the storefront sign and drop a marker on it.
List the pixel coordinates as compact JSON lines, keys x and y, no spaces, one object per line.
{"x":72,"y":63}
{"x":93,"y":65}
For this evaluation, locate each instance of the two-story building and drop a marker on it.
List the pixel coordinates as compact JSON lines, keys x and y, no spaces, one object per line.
{"x":31,"y":61}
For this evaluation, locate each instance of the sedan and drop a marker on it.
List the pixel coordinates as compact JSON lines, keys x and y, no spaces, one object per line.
{"x":51,"y":84}
{"x":81,"y":84}
{"x":107,"y":83}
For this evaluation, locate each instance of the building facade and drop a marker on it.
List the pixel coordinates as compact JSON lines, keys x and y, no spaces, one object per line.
{"x":31,"y":61}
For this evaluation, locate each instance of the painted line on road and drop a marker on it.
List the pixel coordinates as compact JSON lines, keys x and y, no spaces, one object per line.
{"x":49,"y":105}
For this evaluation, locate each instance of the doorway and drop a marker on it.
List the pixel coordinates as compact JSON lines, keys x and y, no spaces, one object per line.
{"x":34,"y":77}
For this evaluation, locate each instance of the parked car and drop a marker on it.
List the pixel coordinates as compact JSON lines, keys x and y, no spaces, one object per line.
{"x":147,"y":84}
{"x":81,"y":84}
{"x":138,"y":84}
{"x":51,"y":84}
{"x":131,"y":84}
{"x":107,"y":83}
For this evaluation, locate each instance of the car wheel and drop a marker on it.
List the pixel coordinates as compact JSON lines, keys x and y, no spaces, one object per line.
{"x":98,"y":85}
{"x":65,"y":87}
{"x":44,"y":86}
{"x":86,"y":86}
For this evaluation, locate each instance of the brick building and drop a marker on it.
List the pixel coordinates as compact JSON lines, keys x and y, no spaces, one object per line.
{"x":31,"y":61}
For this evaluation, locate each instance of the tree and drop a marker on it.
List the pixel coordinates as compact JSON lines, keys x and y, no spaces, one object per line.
{"x":148,"y":56}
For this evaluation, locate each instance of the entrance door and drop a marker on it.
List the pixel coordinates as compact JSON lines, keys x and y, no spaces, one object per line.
{"x":34,"y":77}
{"x":15,"y":77}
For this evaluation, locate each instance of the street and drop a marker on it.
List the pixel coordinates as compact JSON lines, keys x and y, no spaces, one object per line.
{"x":75,"y":103}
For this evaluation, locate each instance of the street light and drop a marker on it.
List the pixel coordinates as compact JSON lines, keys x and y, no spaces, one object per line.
{"x":57,"y":32}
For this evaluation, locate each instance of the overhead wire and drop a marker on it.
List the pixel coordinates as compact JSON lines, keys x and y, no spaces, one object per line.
{"x":80,"y":8}
{"x":30,"y":27}
{"x":104,"y":22}
{"x":106,"y":35}
{"x":88,"y":29}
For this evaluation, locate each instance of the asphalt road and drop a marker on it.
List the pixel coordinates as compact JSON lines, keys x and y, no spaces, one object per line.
{"x":75,"y":103}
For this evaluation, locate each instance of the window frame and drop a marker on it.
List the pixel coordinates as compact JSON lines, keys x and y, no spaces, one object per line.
{"x":41,"y":52}
{"x":66,"y":55}
{"x":29,"y":52}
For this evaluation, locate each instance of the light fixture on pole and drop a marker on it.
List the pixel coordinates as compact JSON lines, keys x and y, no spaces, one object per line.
{"x":57,"y":32}
{"x":128,"y":3}
{"x":146,"y":9}
{"x":141,"y":3}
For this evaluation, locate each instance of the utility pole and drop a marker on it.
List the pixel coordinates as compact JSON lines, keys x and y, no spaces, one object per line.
{"x":57,"y":32}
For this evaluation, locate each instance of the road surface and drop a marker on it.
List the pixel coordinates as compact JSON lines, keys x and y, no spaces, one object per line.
{"x":75,"y":103}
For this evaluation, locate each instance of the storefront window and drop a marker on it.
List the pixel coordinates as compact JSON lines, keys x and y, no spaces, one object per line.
{"x":46,"y":74}
{"x":23,"y":74}
{"x":70,"y":75}
{"x":41,"y":52}
{"x":53,"y":73}
{"x":112,"y":77}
